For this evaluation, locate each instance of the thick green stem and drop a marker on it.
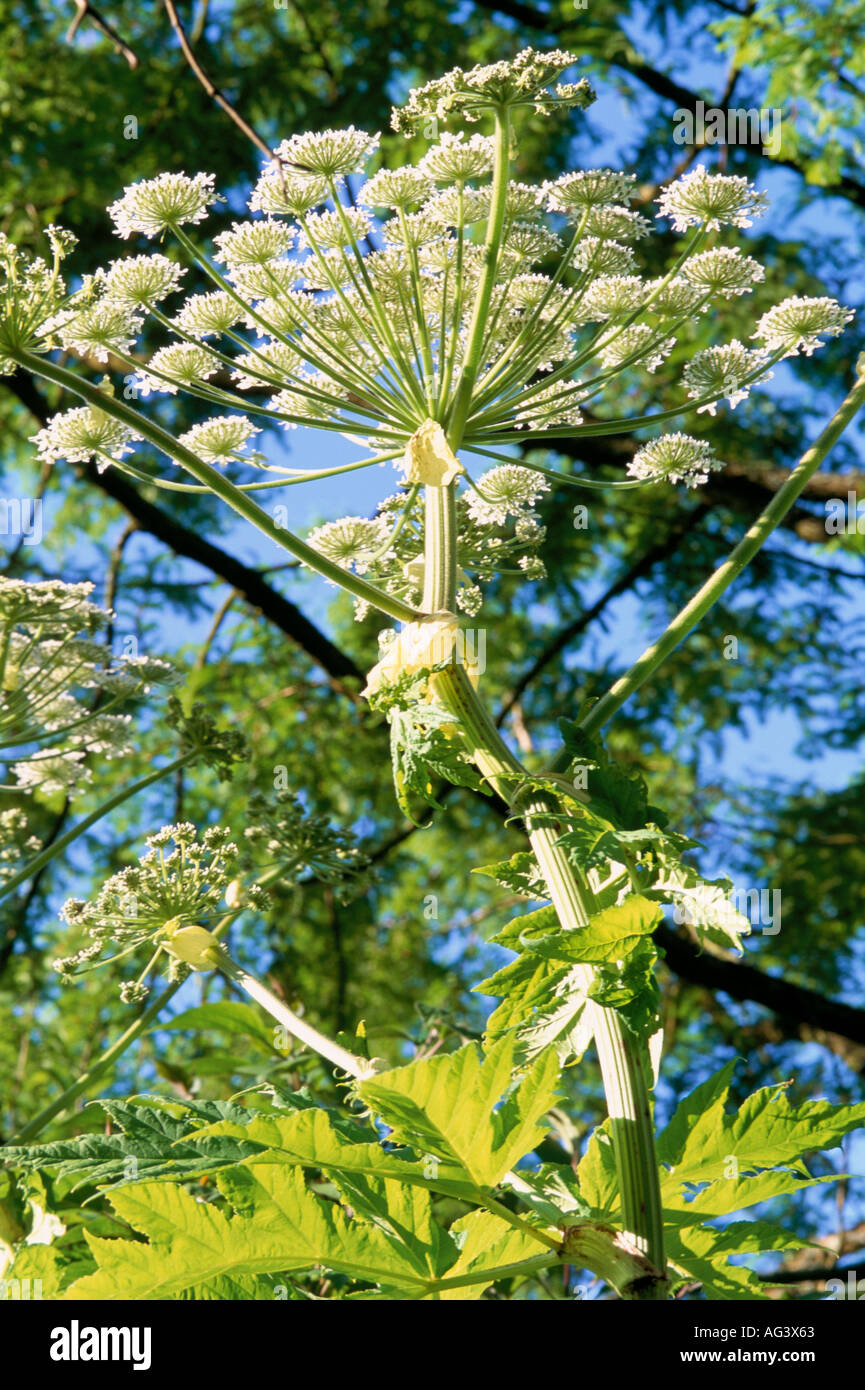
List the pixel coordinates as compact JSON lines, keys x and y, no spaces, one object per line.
{"x":623,"y":1070}
{"x":440,"y":551}
{"x":697,"y":607}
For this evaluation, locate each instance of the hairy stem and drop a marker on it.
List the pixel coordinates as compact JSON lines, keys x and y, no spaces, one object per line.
{"x":624,"y":1070}
{"x":298,"y":1027}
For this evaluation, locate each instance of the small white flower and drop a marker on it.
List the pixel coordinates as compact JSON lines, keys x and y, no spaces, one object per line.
{"x":329,"y":154}
{"x":458,"y":157}
{"x":350,"y":542}
{"x":724,"y":271}
{"x":185,"y":364}
{"x":100,"y":329}
{"x":169,"y":200}
{"x":323,"y":272}
{"x":272,"y":361}
{"x":525,"y":291}
{"x":532,"y":566}
{"x":675,"y":458}
{"x":220,"y":439}
{"x":588,"y":188}
{"x":719,"y":371}
{"x":389,"y":272}
{"x":617,"y":224}
{"x":699,"y":198}
{"x":142,"y":280}
{"x":470,"y":599}
{"x":455,"y":207}
{"x":639,"y":342}
{"x":612,"y":297}
{"x":796,"y":324}
{"x":529,"y":530}
{"x":416,"y":229}
{"x":277,"y":191}
{"x":270,"y":281}
{"x":208,"y":315}
{"x":674,"y":300}
{"x":284,"y":315}
{"x":509,"y":490}
{"x":530,"y":243}
{"x":554,"y":405}
{"x":81,"y":434}
{"x":307,"y":408}
{"x":604,"y":257}
{"x":52,"y":770}
{"x":524,"y":81}
{"x":396,"y":188}
{"x":254,"y":243}
{"x":328,"y":231}
{"x":107,"y":735}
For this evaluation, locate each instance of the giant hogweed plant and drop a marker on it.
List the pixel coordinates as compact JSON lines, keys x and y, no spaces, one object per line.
{"x":407,"y":312}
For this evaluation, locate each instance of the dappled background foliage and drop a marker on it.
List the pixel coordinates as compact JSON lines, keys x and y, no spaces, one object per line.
{"x":757,"y":757}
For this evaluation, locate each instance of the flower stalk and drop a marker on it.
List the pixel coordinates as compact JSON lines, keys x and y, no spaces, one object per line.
{"x":739,"y":558}
{"x":221,"y":487}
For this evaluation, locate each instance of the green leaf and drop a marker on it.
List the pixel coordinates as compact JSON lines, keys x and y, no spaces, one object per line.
{"x":446,"y":1106}
{"x":195,"y":1249}
{"x":544,"y":1001}
{"x":191,"y":1242}
{"x":543,"y":1005}
{"x":423,"y":751}
{"x":227,"y":1016}
{"x":701,"y":1254}
{"x":488,"y":1247}
{"x":616,"y":794}
{"x":321,"y":1139}
{"x":616,"y":934}
{"x":519,"y":874}
{"x":766,"y":1132}
{"x":151,"y":1142}
{"x":596,"y":1173}
{"x":552,"y":1192}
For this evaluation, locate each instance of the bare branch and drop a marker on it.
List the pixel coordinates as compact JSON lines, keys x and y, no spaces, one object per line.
{"x":210,"y":87}
{"x":84,"y":10}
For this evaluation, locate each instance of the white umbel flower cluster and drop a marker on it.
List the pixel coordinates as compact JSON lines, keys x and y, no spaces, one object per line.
{"x":508,"y":491}
{"x":675,"y":458}
{"x":796,"y":325}
{"x":82,"y":434}
{"x":161,"y":204}
{"x":711,"y":201}
{"x":729,"y":370}
{"x":441,"y":295}
{"x":49,"y":658}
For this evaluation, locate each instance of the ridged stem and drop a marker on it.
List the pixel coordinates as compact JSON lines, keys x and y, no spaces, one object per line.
{"x":623,"y":1069}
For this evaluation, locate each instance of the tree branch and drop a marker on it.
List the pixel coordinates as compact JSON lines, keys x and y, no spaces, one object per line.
{"x":84,"y":10}
{"x":210,"y":87}
{"x":749,"y":985}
